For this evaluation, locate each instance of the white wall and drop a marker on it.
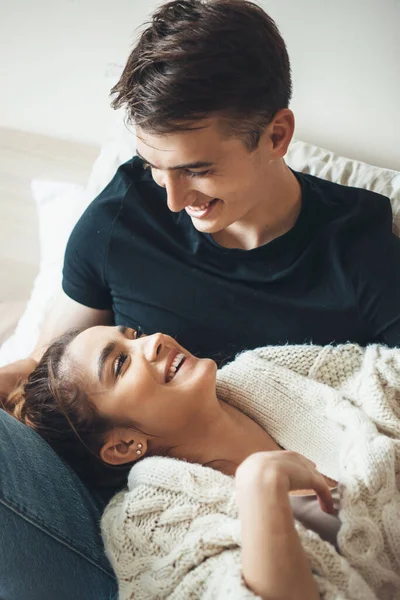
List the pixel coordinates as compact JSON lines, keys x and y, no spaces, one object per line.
{"x":54,"y":56}
{"x":345,"y":61}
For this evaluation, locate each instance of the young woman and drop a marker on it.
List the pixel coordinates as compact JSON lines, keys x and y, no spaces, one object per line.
{"x":107,"y":397}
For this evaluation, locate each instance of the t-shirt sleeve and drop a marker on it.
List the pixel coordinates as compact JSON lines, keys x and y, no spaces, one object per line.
{"x":376,"y":276}
{"x":85,"y":260}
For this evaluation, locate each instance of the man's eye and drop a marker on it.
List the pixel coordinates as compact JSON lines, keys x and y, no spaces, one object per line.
{"x":198,"y":174}
{"x":119,"y":363}
{"x":193,"y":174}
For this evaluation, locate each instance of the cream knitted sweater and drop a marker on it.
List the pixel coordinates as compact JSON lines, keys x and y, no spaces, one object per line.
{"x":175,"y":533}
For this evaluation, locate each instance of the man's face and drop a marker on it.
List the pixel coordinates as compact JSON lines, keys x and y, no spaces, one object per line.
{"x":214,"y":178}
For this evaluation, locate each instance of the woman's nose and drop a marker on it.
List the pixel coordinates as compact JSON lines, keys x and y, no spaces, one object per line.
{"x":154,"y":346}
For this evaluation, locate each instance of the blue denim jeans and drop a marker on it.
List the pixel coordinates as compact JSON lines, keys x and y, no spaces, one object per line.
{"x":50,"y":543}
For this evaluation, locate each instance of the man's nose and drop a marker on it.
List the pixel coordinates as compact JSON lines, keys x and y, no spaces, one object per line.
{"x":178,"y":193}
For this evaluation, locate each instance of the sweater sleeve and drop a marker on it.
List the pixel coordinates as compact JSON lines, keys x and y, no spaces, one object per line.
{"x":175,"y":534}
{"x":331,"y":365}
{"x":298,"y":359}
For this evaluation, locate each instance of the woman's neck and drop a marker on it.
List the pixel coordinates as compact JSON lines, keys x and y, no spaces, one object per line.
{"x":225,"y":440}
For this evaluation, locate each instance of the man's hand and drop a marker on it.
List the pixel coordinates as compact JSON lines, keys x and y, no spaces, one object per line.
{"x":11,"y":375}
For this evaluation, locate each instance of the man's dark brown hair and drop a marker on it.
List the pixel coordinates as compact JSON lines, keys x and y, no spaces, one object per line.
{"x":202,"y":58}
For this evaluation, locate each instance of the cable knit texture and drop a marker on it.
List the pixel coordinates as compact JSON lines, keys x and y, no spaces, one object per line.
{"x":175,"y":532}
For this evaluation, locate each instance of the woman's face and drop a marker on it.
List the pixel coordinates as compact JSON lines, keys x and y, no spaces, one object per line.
{"x":150,"y":380}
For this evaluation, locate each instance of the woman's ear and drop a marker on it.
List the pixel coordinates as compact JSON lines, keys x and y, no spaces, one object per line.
{"x":123,"y":446}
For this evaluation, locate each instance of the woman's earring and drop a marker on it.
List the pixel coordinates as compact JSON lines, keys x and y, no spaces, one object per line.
{"x":139,"y":451}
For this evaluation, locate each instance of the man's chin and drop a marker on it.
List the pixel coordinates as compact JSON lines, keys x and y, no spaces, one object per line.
{"x":208,"y":226}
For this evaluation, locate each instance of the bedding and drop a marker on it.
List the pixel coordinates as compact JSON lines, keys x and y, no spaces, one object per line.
{"x":175,"y":532}
{"x":10,"y":313}
{"x":59,"y":205}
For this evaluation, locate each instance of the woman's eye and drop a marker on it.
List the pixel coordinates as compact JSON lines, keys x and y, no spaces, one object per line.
{"x":138,"y":332}
{"x":119,"y":363}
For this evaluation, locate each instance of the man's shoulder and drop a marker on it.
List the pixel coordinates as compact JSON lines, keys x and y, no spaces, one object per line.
{"x":130,"y":179}
{"x":347,"y":202}
{"x":130,"y":195}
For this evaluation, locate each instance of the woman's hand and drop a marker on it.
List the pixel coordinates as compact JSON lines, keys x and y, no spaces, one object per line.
{"x":274,"y":564}
{"x":288,"y":470}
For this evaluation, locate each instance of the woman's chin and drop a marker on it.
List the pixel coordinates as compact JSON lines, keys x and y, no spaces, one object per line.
{"x":210,"y":372}
{"x":204,"y":372}
{"x":210,"y":366}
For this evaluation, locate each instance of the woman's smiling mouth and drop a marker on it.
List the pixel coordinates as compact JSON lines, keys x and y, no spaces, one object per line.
{"x":174,"y":366}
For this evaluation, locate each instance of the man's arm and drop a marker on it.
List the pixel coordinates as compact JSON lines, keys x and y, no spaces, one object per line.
{"x":65,"y":314}
{"x":372,"y":257}
{"x":68,"y":314}
{"x":377,"y":284}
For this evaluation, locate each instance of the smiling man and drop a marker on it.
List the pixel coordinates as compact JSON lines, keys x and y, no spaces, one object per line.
{"x":205,"y":235}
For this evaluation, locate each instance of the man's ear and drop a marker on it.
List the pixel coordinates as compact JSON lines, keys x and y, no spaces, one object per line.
{"x":280,"y":132}
{"x":123,"y":446}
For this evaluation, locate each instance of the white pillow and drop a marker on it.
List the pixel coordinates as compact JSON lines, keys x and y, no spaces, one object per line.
{"x":328,"y":165}
{"x":60,"y":205}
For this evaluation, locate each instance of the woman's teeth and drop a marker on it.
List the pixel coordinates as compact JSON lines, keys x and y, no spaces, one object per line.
{"x":176,"y":363}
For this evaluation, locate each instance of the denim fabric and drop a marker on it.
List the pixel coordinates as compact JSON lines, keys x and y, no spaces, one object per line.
{"x":50,"y":543}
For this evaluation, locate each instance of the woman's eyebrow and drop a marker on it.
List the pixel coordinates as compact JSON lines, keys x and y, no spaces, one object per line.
{"x":105,"y":353}
{"x":107,"y":350}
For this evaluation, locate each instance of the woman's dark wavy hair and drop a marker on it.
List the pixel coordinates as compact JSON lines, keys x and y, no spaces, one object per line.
{"x":198,"y":58}
{"x":54,"y":403}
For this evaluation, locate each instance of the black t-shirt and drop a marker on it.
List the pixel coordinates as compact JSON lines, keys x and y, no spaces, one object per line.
{"x":333,"y":278}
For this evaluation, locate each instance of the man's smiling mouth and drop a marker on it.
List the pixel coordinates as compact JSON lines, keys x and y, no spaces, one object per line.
{"x":203,"y":210}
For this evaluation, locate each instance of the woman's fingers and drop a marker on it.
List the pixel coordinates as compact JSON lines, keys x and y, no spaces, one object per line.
{"x":321,"y":488}
{"x":295,"y":471}
{"x":324,"y":494}
{"x":318,"y":484}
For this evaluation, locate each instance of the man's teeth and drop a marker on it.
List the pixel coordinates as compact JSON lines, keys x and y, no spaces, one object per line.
{"x":202,"y":207}
{"x":176,"y":363}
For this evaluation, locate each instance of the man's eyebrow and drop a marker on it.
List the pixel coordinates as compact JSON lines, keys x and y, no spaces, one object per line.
{"x":105,"y":353}
{"x":194,"y":165}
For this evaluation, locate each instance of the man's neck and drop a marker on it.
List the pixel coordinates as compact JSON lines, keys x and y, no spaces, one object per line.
{"x":229,"y":438}
{"x":274,"y":215}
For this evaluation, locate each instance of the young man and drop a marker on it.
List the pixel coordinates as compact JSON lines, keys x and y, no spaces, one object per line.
{"x":207,"y":235}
